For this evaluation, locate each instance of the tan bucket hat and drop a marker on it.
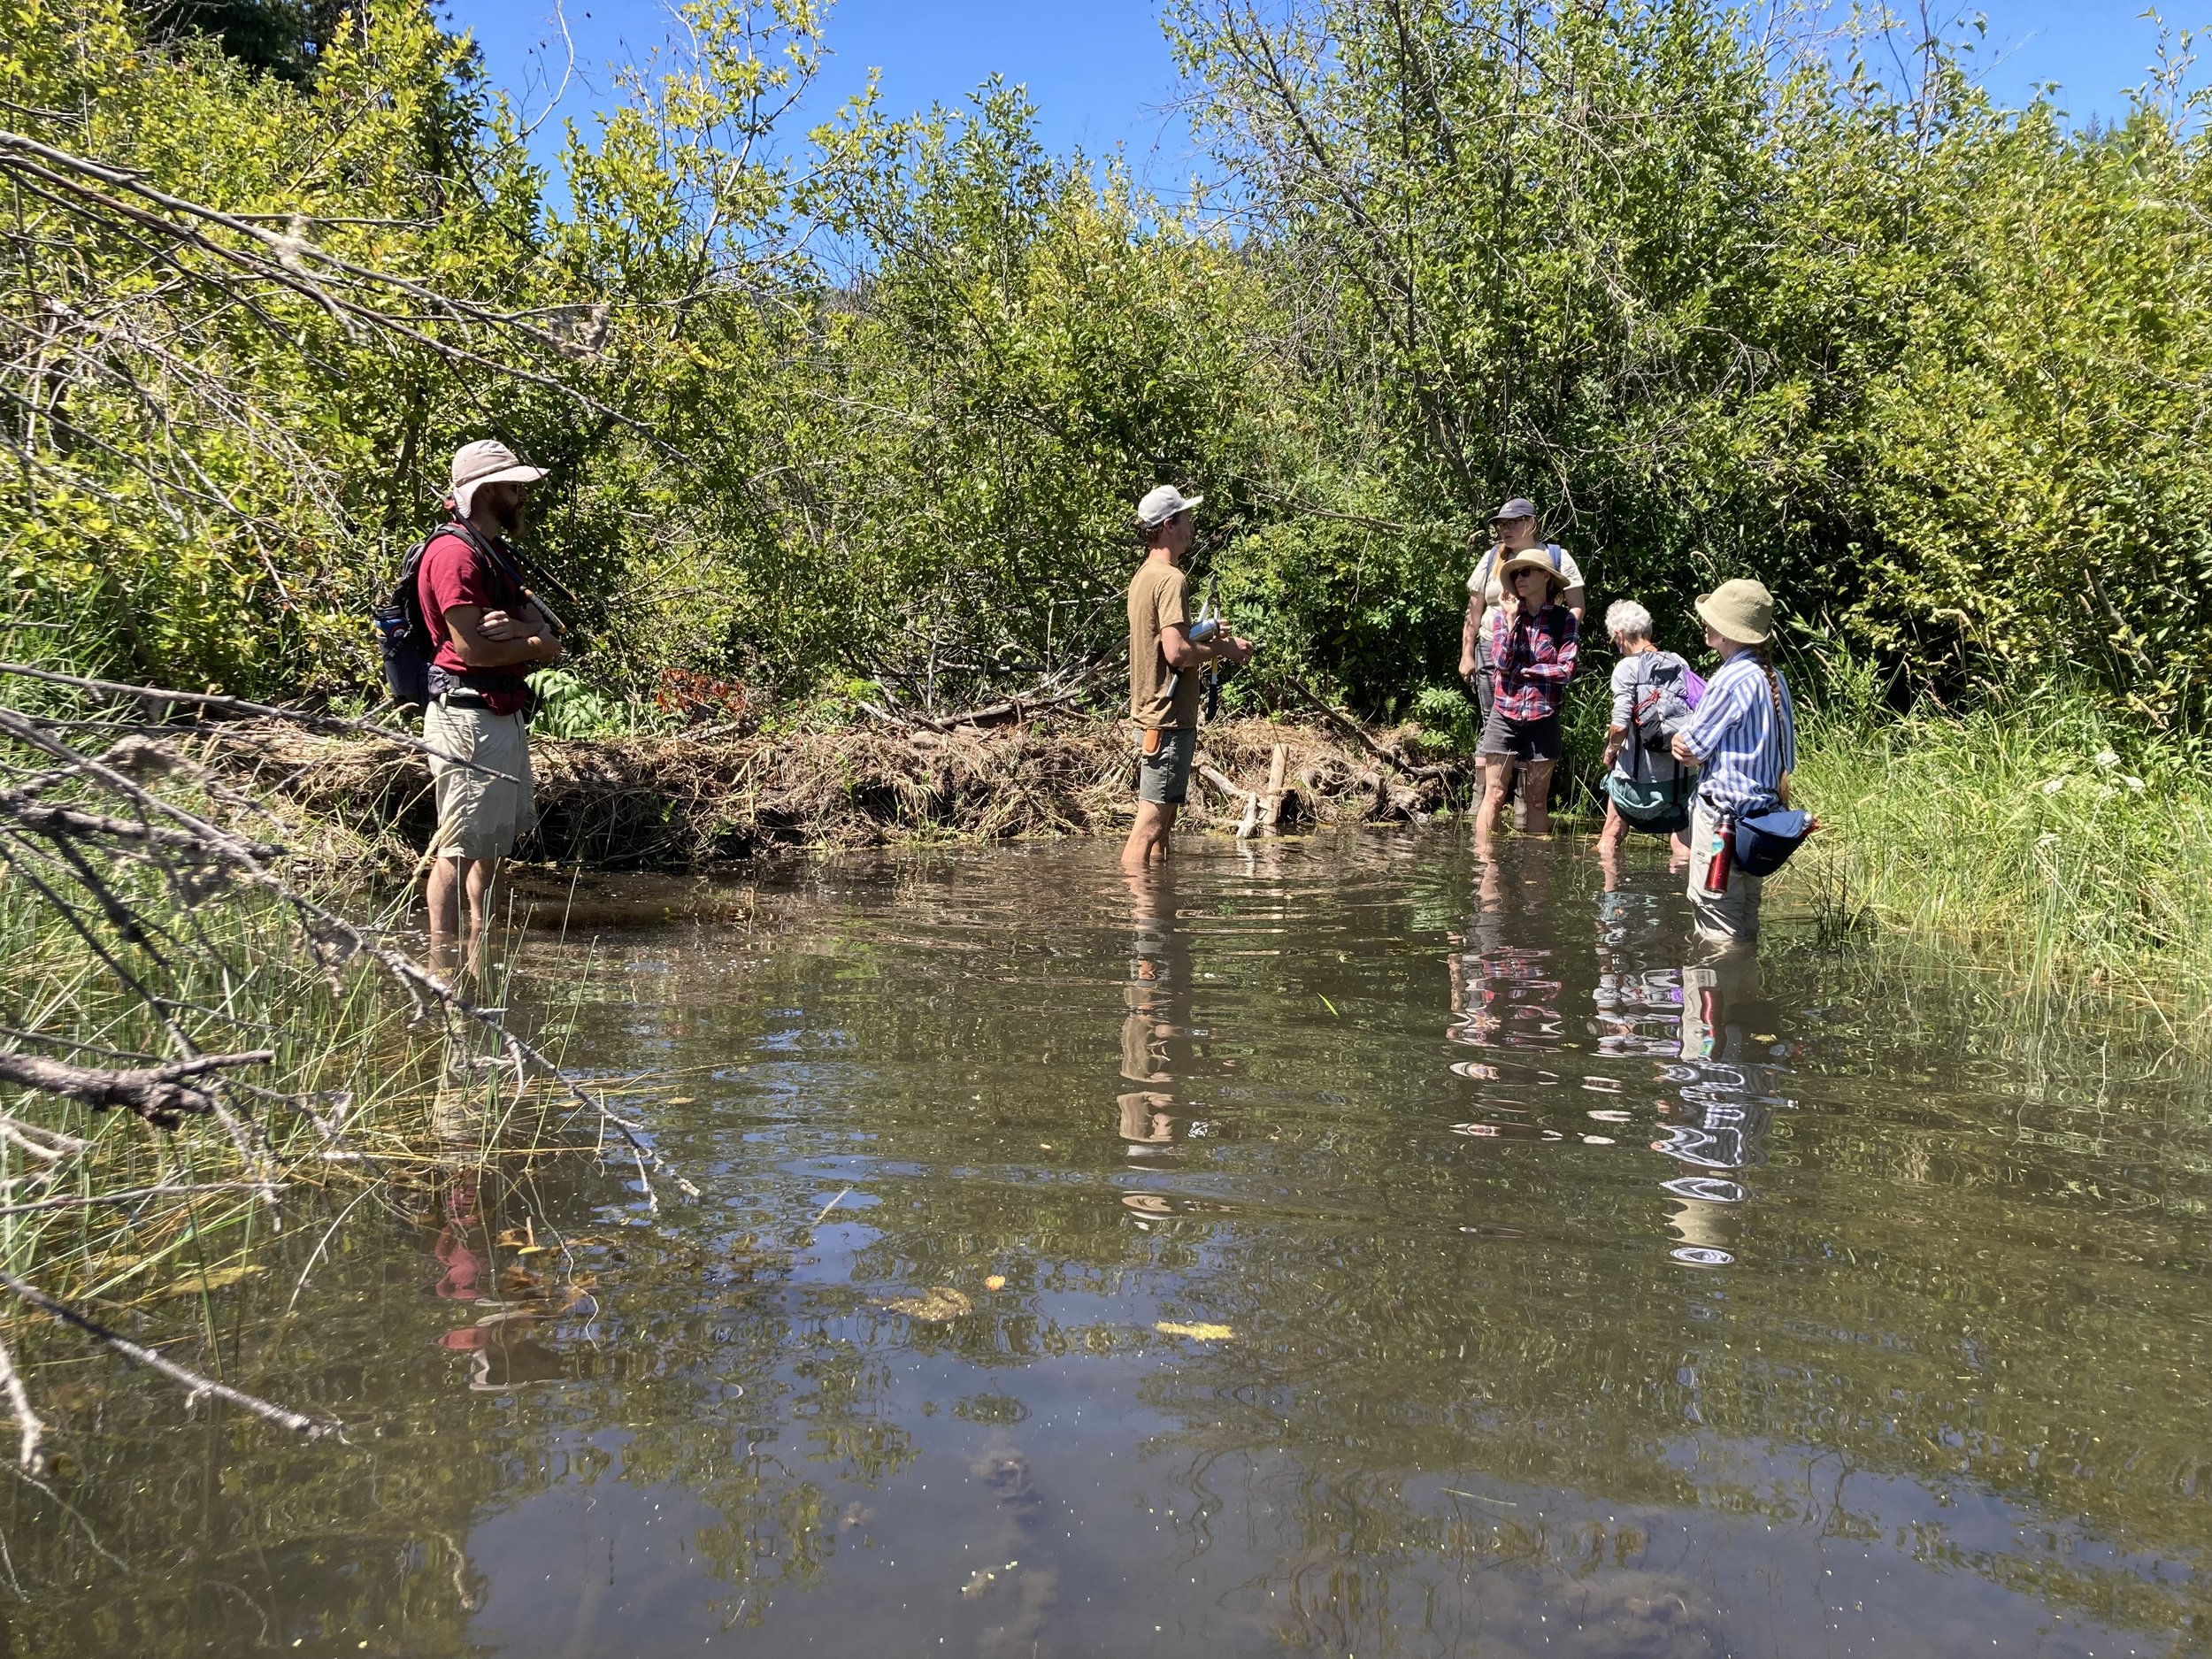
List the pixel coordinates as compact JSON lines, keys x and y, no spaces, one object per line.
{"x":1741,"y":611}
{"x":486,"y":461}
{"x":1529,"y":558}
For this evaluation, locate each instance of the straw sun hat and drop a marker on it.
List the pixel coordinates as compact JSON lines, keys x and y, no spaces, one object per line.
{"x":1741,"y":611}
{"x":1533,"y":558}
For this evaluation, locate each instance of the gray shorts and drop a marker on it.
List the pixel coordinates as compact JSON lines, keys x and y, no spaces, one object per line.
{"x":1163,"y":778}
{"x":479,"y":816}
{"x":1521,"y":739}
{"x":1721,"y":917}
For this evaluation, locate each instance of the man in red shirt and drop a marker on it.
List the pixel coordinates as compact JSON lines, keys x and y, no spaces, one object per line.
{"x":491,"y":633}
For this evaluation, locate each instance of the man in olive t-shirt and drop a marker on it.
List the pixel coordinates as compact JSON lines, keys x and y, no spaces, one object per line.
{"x":1164,"y":671}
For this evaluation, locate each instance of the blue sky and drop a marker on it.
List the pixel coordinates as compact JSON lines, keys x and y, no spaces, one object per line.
{"x":1100,"y":70}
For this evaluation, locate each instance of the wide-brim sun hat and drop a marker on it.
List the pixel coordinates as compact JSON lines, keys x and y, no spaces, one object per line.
{"x":1533,"y":558}
{"x":1740,"y":610}
{"x":1162,"y":503}
{"x":486,"y":461}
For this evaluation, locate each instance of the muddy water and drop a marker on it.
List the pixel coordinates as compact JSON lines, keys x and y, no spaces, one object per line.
{"x":1333,"y":1248}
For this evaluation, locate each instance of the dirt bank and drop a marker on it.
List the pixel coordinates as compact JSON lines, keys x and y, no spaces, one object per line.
{"x":680,"y":803}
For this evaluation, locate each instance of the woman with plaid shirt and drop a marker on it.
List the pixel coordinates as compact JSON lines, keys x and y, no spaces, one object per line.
{"x":1532,"y":645}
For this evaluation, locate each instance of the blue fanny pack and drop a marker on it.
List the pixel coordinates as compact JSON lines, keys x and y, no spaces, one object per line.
{"x":1764,"y":841}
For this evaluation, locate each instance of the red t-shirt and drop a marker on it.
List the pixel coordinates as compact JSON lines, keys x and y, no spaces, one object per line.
{"x":452,"y":574}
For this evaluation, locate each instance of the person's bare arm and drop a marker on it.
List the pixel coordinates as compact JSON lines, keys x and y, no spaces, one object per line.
{"x":533,"y":617}
{"x":514,"y":640}
{"x":1578,"y":602}
{"x":1467,"y":634}
{"x":1182,"y":651}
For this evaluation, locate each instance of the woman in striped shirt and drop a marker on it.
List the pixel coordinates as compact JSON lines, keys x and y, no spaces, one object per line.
{"x":1744,"y":739}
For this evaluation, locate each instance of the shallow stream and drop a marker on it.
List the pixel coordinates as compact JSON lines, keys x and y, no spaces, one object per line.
{"x":1330,"y":1248}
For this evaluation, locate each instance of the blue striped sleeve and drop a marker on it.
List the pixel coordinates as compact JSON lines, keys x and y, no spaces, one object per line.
{"x":1721,"y":707}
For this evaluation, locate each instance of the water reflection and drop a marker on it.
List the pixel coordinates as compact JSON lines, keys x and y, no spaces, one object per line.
{"x":1286,"y":1255}
{"x":1506,"y":989}
{"x":1701,"y":1029}
{"x":1726,"y":1091}
{"x":1157,"y":1043}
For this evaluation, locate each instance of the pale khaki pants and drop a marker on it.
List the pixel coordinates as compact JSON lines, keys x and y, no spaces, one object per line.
{"x":480,"y":816}
{"x":1719,"y":916}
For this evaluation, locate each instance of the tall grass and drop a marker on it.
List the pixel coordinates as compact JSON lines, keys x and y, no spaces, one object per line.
{"x":121,"y":954}
{"x":2046,"y":833}
{"x":363,"y":1087}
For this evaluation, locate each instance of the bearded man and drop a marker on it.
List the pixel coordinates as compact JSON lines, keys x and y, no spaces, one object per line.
{"x":491,"y":633}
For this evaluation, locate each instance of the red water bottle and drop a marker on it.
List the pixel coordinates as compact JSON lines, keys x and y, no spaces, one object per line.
{"x":1717,"y":865}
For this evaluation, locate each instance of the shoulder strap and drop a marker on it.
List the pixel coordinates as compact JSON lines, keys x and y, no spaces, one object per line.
{"x":1558,"y":558}
{"x":474,"y":541}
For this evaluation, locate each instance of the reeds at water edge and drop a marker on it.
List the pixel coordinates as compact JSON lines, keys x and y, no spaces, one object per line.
{"x":2067,"y":847}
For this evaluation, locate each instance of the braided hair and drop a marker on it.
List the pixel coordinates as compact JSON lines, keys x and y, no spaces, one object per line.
{"x":1764,"y":653}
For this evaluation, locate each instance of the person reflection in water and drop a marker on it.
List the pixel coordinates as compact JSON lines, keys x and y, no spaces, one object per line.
{"x":1506,"y":994}
{"x":1712,"y":1036}
{"x":502,"y":1356}
{"x":1159,"y":1045}
{"x":1728,"y":1072}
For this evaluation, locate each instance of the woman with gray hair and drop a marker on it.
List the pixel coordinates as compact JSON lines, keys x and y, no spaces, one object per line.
{"x":1646,"y":786}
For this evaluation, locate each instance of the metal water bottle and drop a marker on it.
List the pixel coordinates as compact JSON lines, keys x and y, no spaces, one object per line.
{"x":1718,"y":855}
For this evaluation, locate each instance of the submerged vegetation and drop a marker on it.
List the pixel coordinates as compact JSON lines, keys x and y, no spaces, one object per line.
{"x":200,"y":1037}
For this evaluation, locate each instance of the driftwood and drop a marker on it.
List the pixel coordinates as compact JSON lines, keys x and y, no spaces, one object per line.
{"x":238,"y":708}
{"x":1058,"y":691}
{"x":159,"y":1094}
{"x":1271,"y":797}
{"x":1390,"y":755}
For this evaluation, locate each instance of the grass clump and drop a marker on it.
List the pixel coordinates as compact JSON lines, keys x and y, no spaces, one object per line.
{"x":2065,"y":844}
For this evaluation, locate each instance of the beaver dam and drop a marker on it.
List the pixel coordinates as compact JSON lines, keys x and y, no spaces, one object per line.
{"x":684,"y":802}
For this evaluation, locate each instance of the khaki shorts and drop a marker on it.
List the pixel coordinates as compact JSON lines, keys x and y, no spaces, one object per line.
{"x":1164,"y":777}
{"x":480,"y":816}
{"x":1722,"y":917}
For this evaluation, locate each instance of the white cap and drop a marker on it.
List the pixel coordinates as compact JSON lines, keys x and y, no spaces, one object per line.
{"x":1162,"y":504}
{"x":486,"y":461}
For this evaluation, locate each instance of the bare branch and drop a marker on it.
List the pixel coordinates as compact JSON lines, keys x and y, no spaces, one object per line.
{"x":158,"y":1094}
{"x":298,"y":1422}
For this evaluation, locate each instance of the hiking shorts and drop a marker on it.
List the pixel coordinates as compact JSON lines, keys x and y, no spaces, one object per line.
{"x":1164,"y":776}
{"x":1520,"y":740}
{"x":480,"y":816}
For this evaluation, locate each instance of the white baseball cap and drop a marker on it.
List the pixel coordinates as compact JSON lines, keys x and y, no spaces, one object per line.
{"x":486,"y":461}
{"x":1162,"y":504}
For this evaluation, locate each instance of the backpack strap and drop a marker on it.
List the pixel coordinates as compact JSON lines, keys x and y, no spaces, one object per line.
{"x":411,"y":595}
{"x":1635,"y":729}
{"x":475,"y":542}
